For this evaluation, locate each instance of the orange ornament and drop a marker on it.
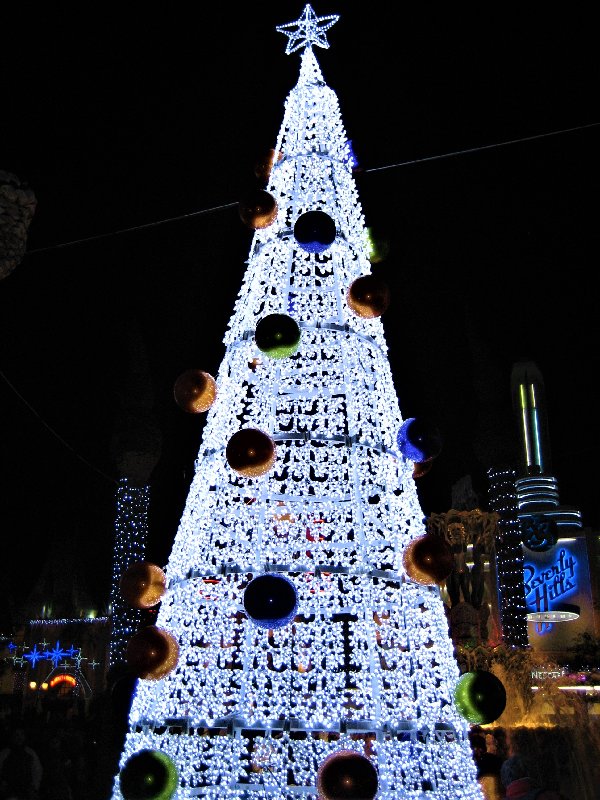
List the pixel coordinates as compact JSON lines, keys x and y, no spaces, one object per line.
{"x":421,"y":468}
{"x":195,"y":391}
{"x":152,"y":653}
{"x":258,"y":209}
{"x":250,"y":452}
{"x":264,"y":165}
{"x":428,"y":559}
{"x":368,"y":297}
{"x":143,"y":584}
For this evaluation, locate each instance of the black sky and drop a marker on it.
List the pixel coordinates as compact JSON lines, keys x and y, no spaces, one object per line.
{"x":118,"y":122}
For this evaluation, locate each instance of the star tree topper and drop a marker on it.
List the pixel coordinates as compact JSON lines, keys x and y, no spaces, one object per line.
{"x":307,"y":31}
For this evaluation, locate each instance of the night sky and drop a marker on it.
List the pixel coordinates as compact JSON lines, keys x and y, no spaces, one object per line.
{"x":477,"y":142}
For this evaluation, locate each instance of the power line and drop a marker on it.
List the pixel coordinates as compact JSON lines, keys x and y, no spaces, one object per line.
{"x":53,"y":432}
{"x":423,"y":160}
{"x":130,"y":230}
{"x":483,"y":147}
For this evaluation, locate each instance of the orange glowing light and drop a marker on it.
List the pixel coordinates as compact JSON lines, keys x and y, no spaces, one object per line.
{"x":63,"y":679}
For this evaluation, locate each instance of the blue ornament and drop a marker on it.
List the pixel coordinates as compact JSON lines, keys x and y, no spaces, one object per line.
{"x":539,"y":533}
{"x":419,"y":440}
{"x":271,"y":601}
{"x":314,"y":231}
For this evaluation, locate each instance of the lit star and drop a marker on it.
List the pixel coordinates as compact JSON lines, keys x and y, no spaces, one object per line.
{"x":56,"y":654}
{"x":34,"y":656}
{"x":309,"y":30}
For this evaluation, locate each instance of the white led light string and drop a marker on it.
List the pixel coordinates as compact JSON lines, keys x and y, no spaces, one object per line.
{"x":333,"y":413}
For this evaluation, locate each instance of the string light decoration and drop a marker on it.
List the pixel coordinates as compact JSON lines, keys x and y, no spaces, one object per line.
{"x":366,"y":664}
{"x":512,"y":607}
{"x":131,"y":532}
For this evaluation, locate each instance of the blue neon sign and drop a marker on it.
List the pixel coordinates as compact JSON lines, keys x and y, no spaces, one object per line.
{"x":546,"y":583}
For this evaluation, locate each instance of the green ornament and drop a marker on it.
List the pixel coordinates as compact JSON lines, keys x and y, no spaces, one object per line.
{"x":480,"y":697}
{"x":148,"y":775}
{"x":277,"y":336}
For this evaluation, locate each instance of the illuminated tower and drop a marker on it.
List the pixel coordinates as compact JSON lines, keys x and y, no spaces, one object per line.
{"x":302,"y":657}
{"x":537,"y":488}
{"x":135,"y":446}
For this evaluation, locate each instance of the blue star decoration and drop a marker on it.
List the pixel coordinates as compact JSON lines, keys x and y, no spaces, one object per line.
{"x":34,"y":656}
{"x":309,"y":30}
{"x":56,"y":654}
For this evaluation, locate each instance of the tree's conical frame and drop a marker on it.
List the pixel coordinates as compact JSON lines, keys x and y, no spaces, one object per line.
{"x":367,"y":663}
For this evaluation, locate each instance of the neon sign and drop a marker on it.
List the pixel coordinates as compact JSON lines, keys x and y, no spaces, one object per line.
{"x":63,"y":679}
{"x":547,"y":583}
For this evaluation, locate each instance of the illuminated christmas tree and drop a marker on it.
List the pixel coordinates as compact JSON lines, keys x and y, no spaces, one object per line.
{"x":301,"y":649}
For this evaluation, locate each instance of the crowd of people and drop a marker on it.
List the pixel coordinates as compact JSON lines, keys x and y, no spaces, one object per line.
{"x":503,"y":773}
{"x":48,"y":761}
{"x":45,"y":761}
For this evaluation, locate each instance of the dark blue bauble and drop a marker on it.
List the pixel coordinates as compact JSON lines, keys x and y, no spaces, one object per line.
{"x":121,"y":695}
{"x":271,"y":601}
{"x":539,"y":533}
{"x":419,"y":439}
{"x":314,"y":231}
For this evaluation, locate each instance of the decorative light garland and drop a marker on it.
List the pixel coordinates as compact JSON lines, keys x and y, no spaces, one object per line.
{"x":131,"y":532}
{"x":509,"y":557}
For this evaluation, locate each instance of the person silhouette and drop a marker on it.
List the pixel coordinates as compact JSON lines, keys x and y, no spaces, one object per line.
{"x":514,"y":774}
{"x":20,"y":768}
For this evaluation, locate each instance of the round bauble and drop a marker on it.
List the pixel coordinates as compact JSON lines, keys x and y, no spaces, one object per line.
{"x":271,"y":601}
{"x":148,"y":775}
{"x":264,"y":165}
{"x":428,"y":559}
{"x":122,"y":690}
{"x":539,"y":533}
{"x":379,"y":247}
{"x":152,"y":653}
{"x":480,"y":697}
{"x":277,"y":335}
{"x":347,"y":775}
{"x":250,"y":452}
{"x":258,"y":209}
{"x":421,"y":468}
{"x":195,"y":391}
{"x":314,"y":231}
{"x":419,"y":439}
{"x":368,"y":297}
{"x":143,"y":585}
